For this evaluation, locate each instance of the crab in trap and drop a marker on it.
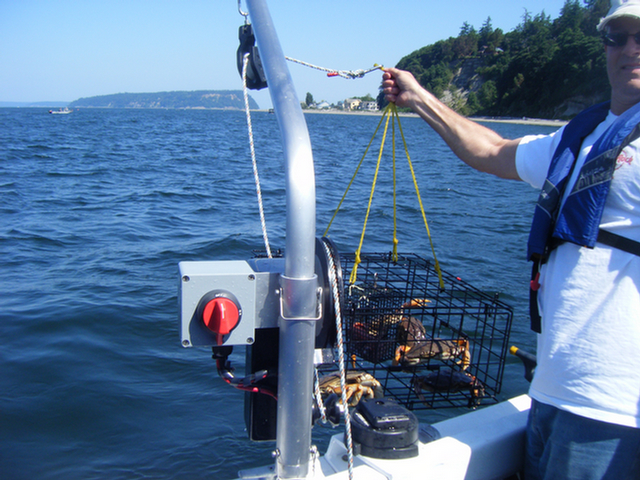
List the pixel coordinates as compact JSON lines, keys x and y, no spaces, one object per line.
{"x":359,"y":385}
{"x":370,"y":338}
{"x":449,"y":380}
{"x":410,"y":331}
{"x":439,"y":349}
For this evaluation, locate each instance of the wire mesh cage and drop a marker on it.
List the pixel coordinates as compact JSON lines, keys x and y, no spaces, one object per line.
{"x":429,"y":347}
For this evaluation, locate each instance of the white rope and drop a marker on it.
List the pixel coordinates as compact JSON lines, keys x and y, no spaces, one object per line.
{"x":333,"y":278}
{"x":263,"y":222}
{"x":332,"y":72}
{"x":321,"y":408}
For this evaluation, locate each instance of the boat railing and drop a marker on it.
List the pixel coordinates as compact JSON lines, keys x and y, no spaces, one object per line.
{"x":298,"y":284}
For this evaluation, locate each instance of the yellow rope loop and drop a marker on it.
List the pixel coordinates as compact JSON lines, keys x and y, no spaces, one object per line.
{"x":389,"y":113}
{"x":394,"y":252}
{"x":415,"y":183}
{"x":373,"y":188}
{"x":326,"y":232}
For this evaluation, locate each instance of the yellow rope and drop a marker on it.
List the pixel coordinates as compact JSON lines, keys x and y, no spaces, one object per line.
{"x":326,"y":232}
{"x":389,"y":113}
{"x":354,"y":271}
{"x":415,"y":183}
{"x":394,"y":252}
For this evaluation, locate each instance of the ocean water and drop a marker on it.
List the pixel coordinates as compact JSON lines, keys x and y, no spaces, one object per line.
{"x":96,"y":210}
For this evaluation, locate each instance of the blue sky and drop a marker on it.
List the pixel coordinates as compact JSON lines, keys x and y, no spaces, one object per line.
{"x":64,"y":49}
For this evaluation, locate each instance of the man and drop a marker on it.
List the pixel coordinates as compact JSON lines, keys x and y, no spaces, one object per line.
{"x":584,"y":422}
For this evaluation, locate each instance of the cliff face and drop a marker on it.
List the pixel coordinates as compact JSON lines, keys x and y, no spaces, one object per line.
{"x":465,"y":76}
{"x":464,"y":81}
{"x":219,"y":99}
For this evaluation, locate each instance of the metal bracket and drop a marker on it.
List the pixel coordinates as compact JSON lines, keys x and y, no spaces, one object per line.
{"x":293,"y":318}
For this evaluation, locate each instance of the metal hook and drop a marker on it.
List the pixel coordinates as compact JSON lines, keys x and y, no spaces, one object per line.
{"x":244,"y":14}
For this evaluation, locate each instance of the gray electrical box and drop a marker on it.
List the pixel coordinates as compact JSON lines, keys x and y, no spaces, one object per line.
{"x":251,"y":285}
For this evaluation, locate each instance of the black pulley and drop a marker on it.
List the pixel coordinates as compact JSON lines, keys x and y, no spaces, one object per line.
{"x":256,"y":78}
{"x":329,"y":270}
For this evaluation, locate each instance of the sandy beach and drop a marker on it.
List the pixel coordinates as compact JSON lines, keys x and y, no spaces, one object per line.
{"x":522,"y":121}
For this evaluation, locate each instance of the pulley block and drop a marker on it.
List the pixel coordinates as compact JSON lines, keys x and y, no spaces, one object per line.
{"x":256,"y":79}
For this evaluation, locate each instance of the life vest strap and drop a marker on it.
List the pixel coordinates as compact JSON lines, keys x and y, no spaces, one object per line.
{"x":606,"y":238}
{"x":534,"y":312}
{"x":621,"y":243}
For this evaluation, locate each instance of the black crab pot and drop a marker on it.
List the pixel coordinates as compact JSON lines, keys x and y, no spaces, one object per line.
{"x":428,"y":347}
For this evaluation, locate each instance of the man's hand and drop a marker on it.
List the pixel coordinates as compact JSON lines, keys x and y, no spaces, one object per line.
{"x":401,"y":87}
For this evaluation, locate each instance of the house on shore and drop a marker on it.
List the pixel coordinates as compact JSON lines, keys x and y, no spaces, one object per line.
{"x":352,"y":103}
{"x":357,"y":104}
{"x":369,"y":106}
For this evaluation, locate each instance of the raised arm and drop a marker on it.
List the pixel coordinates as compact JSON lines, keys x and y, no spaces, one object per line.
{"x":477,"y":146}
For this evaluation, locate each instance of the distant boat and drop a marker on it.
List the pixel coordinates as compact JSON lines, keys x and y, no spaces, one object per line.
{"x":61,"y":111}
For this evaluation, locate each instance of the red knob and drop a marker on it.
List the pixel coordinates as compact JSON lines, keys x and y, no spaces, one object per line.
{"x":221,"y":315}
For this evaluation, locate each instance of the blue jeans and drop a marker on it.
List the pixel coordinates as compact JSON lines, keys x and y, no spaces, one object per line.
{"x":561,"y":445}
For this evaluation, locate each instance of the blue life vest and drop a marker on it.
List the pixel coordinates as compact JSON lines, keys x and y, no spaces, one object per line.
{"x":579,"y":220}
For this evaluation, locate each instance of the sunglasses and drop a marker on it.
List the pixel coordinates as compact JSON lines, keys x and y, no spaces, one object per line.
{"x":619,"y":39}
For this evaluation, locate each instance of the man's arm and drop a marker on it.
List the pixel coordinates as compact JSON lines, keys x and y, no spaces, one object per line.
{"x":477,"y":146}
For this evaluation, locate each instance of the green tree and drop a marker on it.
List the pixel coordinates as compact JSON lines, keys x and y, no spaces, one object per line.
{"x":473,"y":104}
{"x":309,"y":99}
{"x":529,"y":71}
{"x":487,"y":94}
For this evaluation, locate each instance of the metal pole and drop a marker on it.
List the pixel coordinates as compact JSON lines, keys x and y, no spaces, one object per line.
{"x":299,"y":283}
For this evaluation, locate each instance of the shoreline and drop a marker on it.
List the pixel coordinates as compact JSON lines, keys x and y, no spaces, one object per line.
{"x":520,"y":121}
{"x":512,"y":120}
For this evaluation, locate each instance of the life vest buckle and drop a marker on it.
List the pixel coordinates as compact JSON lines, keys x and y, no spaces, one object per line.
{"x":535,"y":283}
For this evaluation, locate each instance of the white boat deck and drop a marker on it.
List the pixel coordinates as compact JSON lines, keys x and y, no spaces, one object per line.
{"x":486,"y":444}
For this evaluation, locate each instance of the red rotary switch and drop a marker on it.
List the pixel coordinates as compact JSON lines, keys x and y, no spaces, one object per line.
{"x":221,"y":315}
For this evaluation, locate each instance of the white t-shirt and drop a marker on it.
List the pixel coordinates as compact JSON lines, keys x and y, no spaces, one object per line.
{"x":589,"y":349}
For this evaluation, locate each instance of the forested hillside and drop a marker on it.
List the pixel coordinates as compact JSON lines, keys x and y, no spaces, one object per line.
{"x":543,"y":68}
{"x":230,"y":99}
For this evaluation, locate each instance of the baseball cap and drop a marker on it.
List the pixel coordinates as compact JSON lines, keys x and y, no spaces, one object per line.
{"x":621,"y":8}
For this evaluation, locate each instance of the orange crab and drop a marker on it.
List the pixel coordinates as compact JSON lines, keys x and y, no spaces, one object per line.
{"x":371,"y":340}
{"x":437,"y":348}
{"x":359,"y":385}
{"x":410,"y":330}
